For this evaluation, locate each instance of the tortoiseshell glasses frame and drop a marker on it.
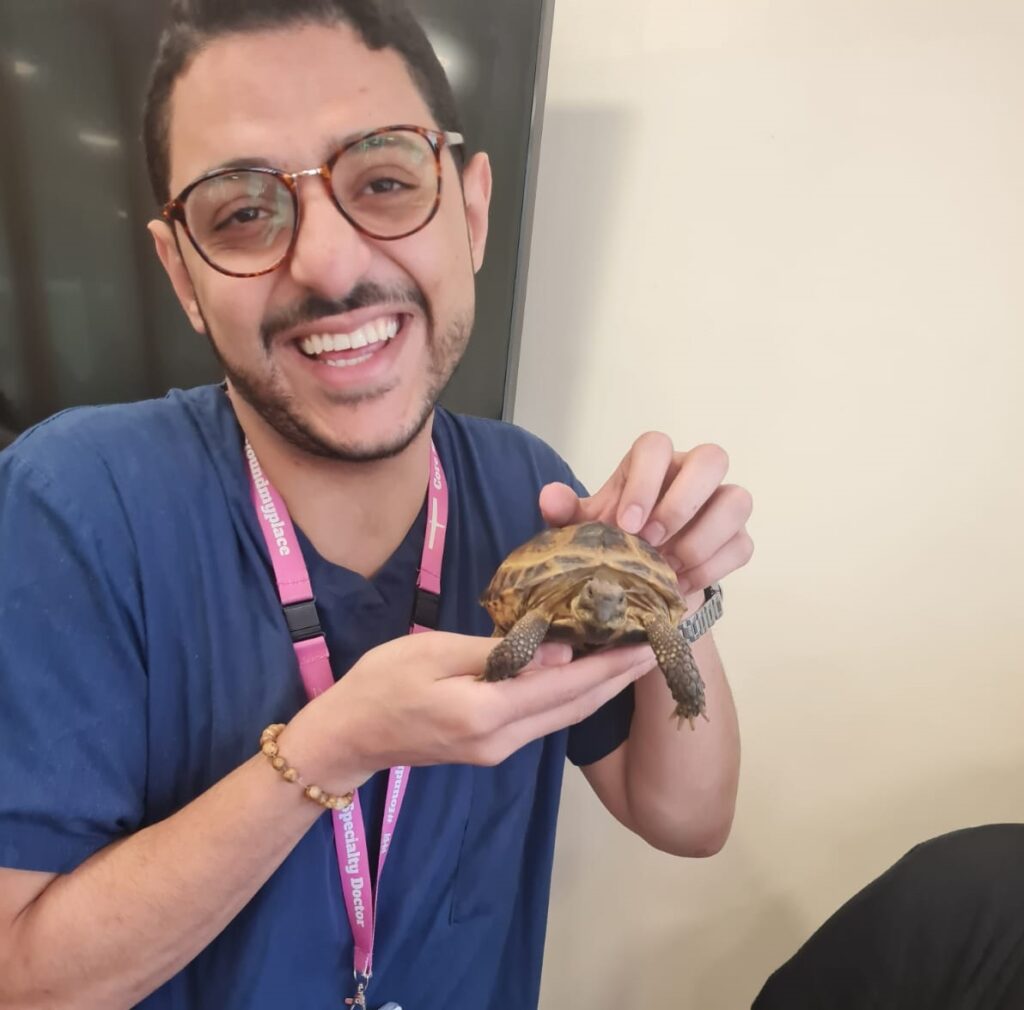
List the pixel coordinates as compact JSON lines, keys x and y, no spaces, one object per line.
{"x":174,"y":210}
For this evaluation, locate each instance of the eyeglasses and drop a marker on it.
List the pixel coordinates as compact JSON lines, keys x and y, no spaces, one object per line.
{"x":244,"y":221}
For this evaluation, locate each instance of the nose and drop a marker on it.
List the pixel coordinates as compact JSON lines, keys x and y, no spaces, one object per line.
{"x":608,"y":603}
{"x":330,"y":255}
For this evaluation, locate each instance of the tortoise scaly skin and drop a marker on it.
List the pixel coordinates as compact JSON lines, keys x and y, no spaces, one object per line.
{"x":591,"y":585}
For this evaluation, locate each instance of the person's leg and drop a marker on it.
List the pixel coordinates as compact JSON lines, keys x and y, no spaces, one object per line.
{"x":942,"y":929}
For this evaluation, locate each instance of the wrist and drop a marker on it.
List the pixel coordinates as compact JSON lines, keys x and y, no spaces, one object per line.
{"x":703,"y":609}
{"x":322,"y":797}
{"x":320,"y":753}
{"x":694,"y":600}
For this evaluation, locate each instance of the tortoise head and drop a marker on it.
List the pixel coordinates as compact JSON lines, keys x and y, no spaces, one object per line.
{"x":600,"y":609}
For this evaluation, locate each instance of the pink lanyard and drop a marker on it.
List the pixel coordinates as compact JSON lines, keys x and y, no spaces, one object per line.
{"x":314,"y":664}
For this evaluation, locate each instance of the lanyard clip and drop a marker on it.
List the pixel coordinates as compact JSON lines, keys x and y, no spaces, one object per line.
{"x":303,"y":620}
{"x":426,"y":610}
{"x":359,"y":1000}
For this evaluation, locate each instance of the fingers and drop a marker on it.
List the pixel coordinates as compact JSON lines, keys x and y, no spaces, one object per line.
{"x":550,"y":654}
{"x":561,"y":506}
{"x":735,"y":554}
{"x":656,"y":491}
{"x":689,"y":489}
{"x":569,"y":712}
{"x":445,"y":654}
{"x":646,"y":468}
{"x":448,"y":654}
{"x":543,"y":690}
{"x":721,"y":520}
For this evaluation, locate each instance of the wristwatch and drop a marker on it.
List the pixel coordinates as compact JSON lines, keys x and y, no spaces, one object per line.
{"x":705,"y":615}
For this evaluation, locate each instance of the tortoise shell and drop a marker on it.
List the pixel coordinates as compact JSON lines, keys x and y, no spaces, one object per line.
{"x":550,"y":570}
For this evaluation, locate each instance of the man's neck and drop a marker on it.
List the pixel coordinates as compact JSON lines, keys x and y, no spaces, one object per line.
{"x":354,"y":514}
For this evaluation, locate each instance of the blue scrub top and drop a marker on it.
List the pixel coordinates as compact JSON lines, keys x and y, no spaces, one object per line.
{"x":143,"y":650}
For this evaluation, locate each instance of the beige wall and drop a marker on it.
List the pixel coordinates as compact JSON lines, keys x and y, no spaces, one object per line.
{"x":795,"y":228}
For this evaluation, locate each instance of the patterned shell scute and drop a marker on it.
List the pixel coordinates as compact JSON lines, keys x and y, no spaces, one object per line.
{"x":551,"y":567}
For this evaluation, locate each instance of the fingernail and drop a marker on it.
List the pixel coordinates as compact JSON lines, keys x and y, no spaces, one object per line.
{"x":632,"y":518}
{"x":654,"y":534}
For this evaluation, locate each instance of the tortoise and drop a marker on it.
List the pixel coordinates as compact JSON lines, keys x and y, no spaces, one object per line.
{"x":591,"y":585}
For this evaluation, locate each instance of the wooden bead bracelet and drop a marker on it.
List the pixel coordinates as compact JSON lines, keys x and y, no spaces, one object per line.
{"x":268,"y":745}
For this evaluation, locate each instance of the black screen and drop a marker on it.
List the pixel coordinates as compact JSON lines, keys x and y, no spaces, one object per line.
{"x":87,"y":314}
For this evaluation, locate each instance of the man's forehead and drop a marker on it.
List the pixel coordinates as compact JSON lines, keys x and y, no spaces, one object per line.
{"x":285,"y":97}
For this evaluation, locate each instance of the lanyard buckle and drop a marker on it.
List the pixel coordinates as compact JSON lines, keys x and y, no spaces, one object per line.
{"x":303,"y":620}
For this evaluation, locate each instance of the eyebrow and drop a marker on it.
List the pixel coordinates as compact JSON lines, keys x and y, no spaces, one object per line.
{"x":335,"y":144}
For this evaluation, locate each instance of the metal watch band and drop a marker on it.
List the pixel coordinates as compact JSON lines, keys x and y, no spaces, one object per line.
{"x":704,"y":616}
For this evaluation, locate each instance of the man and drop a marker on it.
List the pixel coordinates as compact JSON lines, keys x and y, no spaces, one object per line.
{"x":153,"y":854}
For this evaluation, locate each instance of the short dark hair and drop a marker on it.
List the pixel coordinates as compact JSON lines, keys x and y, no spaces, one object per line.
{"x":193,"y":24}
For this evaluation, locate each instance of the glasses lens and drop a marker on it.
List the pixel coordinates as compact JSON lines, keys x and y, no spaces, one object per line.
{"x":242,"y":222}
{"x":388,"y":183}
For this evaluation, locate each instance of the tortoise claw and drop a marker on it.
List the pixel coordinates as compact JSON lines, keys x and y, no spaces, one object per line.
{"x":682,"y":717}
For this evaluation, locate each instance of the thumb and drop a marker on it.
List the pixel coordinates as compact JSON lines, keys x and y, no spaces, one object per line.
{"x":550,"y":654}
{"x":559,"y":504}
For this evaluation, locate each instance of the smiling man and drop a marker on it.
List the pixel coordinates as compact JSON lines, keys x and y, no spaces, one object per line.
{"x":217,"y":792}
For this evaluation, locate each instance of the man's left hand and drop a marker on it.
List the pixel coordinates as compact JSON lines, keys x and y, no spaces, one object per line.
{"x":676,"y":501}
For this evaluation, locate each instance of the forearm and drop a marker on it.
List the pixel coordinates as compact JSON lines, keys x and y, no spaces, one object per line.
{"x":681,"y":785}
{"x":136,"y":913}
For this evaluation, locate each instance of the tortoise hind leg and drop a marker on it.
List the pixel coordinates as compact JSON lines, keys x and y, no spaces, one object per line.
{"x":516,"y":649}
{"x":679,"y":667}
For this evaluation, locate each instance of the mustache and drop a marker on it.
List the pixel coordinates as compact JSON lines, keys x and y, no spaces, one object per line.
{"x":362,"y":296}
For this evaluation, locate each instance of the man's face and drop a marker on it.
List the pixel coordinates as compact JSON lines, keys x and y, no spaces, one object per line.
{"x":288,"y":98}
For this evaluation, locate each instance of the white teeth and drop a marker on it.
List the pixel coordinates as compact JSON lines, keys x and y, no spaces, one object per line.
{"x":377,"y":332}
{"x":348,"y":363}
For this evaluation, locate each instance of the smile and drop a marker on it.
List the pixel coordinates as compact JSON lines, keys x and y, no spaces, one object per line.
{"x":340,"y":350}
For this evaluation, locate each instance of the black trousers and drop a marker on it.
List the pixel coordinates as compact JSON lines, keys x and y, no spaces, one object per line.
{"x":942,"y":929}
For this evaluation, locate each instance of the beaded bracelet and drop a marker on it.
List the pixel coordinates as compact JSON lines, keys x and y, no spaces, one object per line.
{"x":268,"y":745}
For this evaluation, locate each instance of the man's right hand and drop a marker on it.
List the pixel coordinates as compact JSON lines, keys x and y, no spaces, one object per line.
{"x":419,"y":701}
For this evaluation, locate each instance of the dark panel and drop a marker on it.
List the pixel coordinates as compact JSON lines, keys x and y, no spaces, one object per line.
{"x":86,"y":313}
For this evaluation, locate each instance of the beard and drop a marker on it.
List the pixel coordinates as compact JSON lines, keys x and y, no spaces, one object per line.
{"x":281,"y":410}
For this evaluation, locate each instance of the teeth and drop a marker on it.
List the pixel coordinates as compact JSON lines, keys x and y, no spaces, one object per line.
{"x":379,"y":331}
{"x":348,"y":363}
{"x":339,"y":342}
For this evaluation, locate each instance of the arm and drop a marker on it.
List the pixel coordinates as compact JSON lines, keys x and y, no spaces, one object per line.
{"x":127,"y":919}
{"x":130,"y":917}
{"x":676,"y":788}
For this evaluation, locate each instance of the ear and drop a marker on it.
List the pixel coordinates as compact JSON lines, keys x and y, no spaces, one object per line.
{"x":476,"y":190}
{"x":170,"y":256}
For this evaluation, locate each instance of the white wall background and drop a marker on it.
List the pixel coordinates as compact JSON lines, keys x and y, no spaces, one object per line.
{"x":796,"y":228}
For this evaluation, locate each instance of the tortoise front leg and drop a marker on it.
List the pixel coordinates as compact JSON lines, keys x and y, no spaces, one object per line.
{"x":676,"y":660}
{"x":516,"y":649}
